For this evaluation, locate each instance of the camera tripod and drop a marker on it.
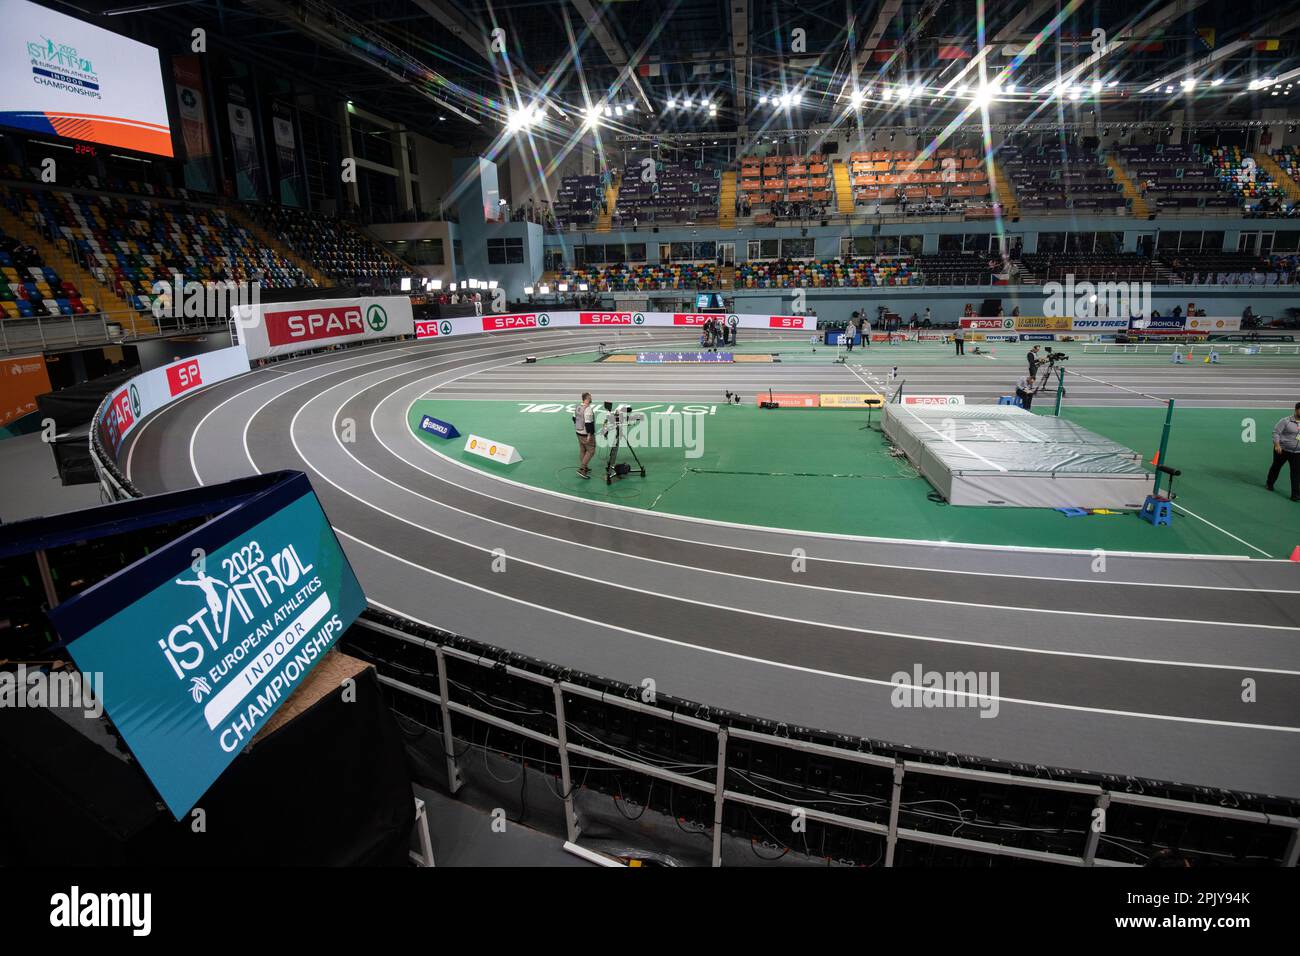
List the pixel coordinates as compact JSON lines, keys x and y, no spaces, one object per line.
{"x":619,"y":424}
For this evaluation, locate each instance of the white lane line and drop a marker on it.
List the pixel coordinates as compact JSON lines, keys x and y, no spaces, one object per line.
{"x":901,"y":542}
{"x":782,"y":664}
{"x":871,"y":594}
{"x":1188,"y":511}
{"x":478,"y":347}
{"x":767,"y":615}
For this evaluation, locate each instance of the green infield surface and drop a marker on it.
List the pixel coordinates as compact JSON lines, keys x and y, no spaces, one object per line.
{"x":822,"y":470}
{"x":801,"y":350}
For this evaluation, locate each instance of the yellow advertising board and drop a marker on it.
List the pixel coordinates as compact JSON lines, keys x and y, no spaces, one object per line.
{"x":851,"y":400}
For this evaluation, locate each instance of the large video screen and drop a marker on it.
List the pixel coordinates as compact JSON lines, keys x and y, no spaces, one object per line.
{"x":63,"y":77}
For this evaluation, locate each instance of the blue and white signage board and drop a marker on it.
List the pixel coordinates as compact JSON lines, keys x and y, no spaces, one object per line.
{"x":436,"y":426}
{"x":201,"y":642}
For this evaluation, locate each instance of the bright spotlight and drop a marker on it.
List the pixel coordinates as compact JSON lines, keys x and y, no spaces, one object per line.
{"x":1112,"y":84}
{"x":886,"y":93}
{"x":786,"y":100}
{"x":1188,"y":85}
{"x":983,"y":96}
{"x":686,"y":103}
{"x":609,"y":111}
{"x":1218,"y":81}
{"x":856,"y":99}
{"x":1075,"y":92}
{"x":762,"y":100}
{"x":593,"y":115}
{"x":545,"y":290}
{"x":582,"y":287}
{"x":528,"y":290}
{"x":1096,"y":86}
{"x":963,"y":89}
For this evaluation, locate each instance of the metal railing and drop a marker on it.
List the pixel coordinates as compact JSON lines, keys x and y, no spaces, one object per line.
{"x":95,"y":328}
{"x":902,"y":770}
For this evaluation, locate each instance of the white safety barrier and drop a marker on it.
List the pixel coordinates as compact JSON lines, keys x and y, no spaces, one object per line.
{"x":283,"y":328}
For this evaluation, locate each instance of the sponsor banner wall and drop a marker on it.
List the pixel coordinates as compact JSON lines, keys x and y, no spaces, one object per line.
{"x":1211,"y":323}
{"x":146,"y":393}
{"x":545,"y":319}
{"x":1043,"y":323}
{"x":282,"y":328}
{"x":939,"y":400}
{"x":1099,"y":325}
{"x":993,"y":325}
{"x":21,"y":380}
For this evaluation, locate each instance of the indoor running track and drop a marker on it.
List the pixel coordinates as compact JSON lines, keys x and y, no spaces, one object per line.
{"x":1138,"y":671}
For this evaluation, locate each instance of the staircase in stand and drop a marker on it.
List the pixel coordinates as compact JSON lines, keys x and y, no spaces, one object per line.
{"x":279,"y":247}
{"x":1005,"y":192}
{"x":611,"y":200}
{"x":843,"y":188}
{"x":1139,"y":205}
{"x":727,"y":200}
{"x":104,"y":296}
{"x":727,"y":277}
{"x":1279,"y":175}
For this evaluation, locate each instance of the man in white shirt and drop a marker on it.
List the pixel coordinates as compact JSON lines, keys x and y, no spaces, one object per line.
{"x":1286,"y":451}
{"x":1025,"y":390}
{"x":584,"y":424}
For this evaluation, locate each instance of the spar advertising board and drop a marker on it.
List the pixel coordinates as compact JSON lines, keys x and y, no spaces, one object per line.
{"x":537,"y":321}
{"x":199,"y":643}
{"x":283,"y":328}
{"x":150,"y":391}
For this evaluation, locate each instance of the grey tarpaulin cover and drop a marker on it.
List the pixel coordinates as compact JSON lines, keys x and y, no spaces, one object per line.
{"x":1005,"y":456}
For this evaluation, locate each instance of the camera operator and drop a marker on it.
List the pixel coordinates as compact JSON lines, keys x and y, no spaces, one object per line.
{"x":1032,"y":357}
{"x":1026,"y":386}
{"x":584,"y":423}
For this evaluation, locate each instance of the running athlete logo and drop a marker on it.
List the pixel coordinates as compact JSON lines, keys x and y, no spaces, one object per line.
{"x":377,"y":318}
{"x":208,"y":585}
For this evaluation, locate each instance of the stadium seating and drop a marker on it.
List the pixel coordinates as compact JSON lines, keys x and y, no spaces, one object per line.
{"x":680,"y":192}
{"x":1228,"y":268}
{"x":1047,"y":179}
{"x":1089,"y":266}
{"x":831,"y":273}
{"x":1246,"y":181}
{"x":772,"y":185}
{"x":332,"y":246}
{"x":577,"y":202}
{"x":129,"y":244}
{"x":902,"y":181}
{"x":636,"y":278}
{"x":30,"y":289}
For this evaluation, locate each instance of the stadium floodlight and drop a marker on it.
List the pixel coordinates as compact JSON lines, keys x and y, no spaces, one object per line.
{"x":406,"y":284}
{"x":582,"y":287}
{"x":786,"y":100}
{"x":686,"y":102}
{"x":563,"y":286}
{"x":609,"y":111}
{"x":984,"y":96}
{"x":886,"y":93}
{"x":798,"y":98}
{"x":963,"y":89}
{"x":671,"y":103}
{"x":618,"y":110}
{"x":1188,"y":85}
{"x":855,"y":100}
{"x":1217,"y":81}
{"x":452,"y":287}
{"x":1075,"y":92}
{"x":1096,"y":86}
{"x":593,"y":115}
{"x":545,"y":290}
{"x":1011,"y":88}
{"x":528,"y":290}
{"x":492,"y":284}
{"x":762,"y":100}
{"x":437,"y":285}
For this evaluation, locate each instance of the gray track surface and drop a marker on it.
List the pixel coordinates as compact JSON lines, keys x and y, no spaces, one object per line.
{"x":1137,"y":671}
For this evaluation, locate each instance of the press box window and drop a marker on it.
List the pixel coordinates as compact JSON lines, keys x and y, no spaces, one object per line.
{"x":502,"y":252}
